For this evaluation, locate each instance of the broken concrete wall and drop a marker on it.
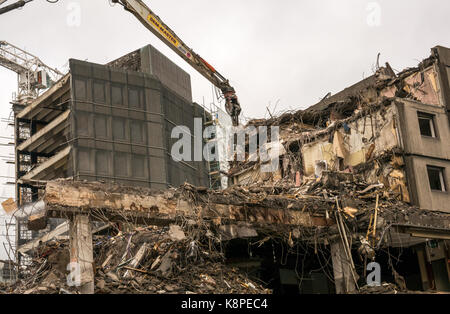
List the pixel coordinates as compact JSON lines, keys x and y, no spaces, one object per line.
{"x":414,"y":142}
{"x":424,"y":86}
{"x":255,"y":175}
{"x":369,"y":128}
{"x":425,"y":150}
{"x":149,"y":60}
{"x":443,"y":66}
{"x":129,"y":62}
{"x":389,"y":170}
{"x":64,"y":198}
{"x":366,"y":144}
{"x":355,"y":143}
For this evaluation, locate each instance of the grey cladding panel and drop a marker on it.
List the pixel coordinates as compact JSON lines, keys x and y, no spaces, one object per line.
{"x":134,"y":97}
{"x":171,"y":75}
{"x":103,"y":162}
{"x":84,"y":160}
{"x":137,"y":132}
{"x":99,"y":92}
{"x":101,"y":127}
{"x":80,"y":89}
{"x":121,"y":165}
{"x":117,"y":95}
{"x":120,"y":129}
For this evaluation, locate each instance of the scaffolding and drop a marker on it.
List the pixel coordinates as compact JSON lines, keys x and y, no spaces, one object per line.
{"x":34,"y":77}
{"x":218,"y":168}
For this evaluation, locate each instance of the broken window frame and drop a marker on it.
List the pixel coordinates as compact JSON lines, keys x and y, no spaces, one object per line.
{"x":441,"y":178}
{"x":431,"y":124}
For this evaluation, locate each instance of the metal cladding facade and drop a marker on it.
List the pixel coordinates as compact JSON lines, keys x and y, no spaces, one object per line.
{"x":121,"y":124}
{"x":171,"y":75}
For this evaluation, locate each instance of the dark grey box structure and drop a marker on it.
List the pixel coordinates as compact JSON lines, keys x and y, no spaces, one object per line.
{"x":111,"y":123}
{"x":121,"y":124}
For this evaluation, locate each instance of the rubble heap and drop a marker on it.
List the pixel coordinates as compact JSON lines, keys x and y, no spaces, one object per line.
{"x":390,"y":288}
{"x":184,"y":253}
{"x":151,"y":260}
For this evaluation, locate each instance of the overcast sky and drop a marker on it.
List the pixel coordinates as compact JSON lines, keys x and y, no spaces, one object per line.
{"x":285,"y":52}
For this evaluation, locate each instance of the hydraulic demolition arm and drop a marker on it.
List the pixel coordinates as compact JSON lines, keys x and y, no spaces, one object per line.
{"x":150,"y":20}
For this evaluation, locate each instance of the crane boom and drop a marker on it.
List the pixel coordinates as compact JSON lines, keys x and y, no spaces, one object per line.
{"x":19,"y":60}
{"x":152,"y":22}
{"x":34,"y":75}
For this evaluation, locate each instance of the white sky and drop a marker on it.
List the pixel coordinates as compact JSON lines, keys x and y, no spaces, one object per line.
{"x":290,"y":52}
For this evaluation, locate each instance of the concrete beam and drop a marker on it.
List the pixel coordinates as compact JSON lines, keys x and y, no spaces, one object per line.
{"x":59,"y":230}
{"x":53,"y":93}
{"x":65,"y":198}
{"x":40,"y":141}
{"x":47,"y":167}
{"x":342,"y":269}
{"x":57,"y":233}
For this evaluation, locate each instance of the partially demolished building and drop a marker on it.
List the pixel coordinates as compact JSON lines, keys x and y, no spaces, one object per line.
{"x":220,"y":122}
{"x":389,"y":130}
{"x":107,"y":122}
{"x":363,"y":177}
{"x":392,"y":128}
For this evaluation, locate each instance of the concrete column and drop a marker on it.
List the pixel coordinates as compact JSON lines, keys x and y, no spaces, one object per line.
{"x":81,"y":253}
{"x":423,"y":270}
{"x":342,"y":269}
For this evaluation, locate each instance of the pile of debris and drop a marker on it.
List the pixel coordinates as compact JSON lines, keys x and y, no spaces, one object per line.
{"x":390,"y":288}
{"x":150,"y":260}
{"x":181,"y":249}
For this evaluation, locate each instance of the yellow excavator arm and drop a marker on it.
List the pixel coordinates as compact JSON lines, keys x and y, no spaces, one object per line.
{"x":150,"y":20}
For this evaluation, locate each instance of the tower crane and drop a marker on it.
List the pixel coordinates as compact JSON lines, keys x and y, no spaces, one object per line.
{"x":33,"y":74}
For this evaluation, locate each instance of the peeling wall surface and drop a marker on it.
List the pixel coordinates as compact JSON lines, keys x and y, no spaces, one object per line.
{"x":355,"y":143}
{"x":424,"y":87}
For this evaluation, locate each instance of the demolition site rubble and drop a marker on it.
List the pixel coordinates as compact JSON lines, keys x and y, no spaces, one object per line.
{"x":146,"y":260}
{"x":362,"y":178}
{"x":185,"y":253}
